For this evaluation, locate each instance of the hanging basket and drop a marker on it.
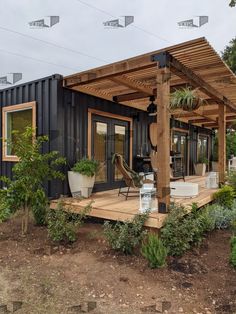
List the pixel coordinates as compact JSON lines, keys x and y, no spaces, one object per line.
{"x":195,"y":105}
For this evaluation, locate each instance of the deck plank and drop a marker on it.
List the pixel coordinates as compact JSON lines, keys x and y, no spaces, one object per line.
{"x":108,"y":205}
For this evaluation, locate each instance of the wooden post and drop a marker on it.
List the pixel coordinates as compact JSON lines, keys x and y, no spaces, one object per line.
{"x":163,"y":139}
{"x":222,"y":142}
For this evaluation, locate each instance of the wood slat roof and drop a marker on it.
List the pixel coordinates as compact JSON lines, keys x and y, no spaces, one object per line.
{"x":136,"y":77}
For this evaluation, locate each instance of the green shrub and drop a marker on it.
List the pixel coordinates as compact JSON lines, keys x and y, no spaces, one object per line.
{"x":40,"y":207}
{"x":86,"y":167}
{"x":33,"y":169}
{"x":233,"y":241}
{"x":62,"y":224}
{"x":154,"y":251}
{"x":223,"y":217}
{"x":126,"y":236}
{"x":206,"y":221}
{"x":233,"y":226}
{"x":225,"y":196}
{"x":5,"y":211}
{"x":233,"y":251}
{"x":183,"y":229}
{"x":231,"y":179}
{"x":177,"y":232}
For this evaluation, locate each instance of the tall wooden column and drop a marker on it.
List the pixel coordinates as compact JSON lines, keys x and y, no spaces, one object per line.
{"x":222,"y":142}
{"x":163,"y":139}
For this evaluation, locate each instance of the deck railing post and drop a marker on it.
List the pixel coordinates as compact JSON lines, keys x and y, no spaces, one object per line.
{"x":222,"y":143}
{"x":163,"y":139}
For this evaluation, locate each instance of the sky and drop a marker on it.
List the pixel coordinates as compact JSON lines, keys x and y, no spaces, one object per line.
{"x":87,"y":44}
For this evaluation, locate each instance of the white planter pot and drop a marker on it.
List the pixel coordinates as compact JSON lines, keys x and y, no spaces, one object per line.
{"x":80,"y":185}
{"x":200,"y":169}
{"x":215,"y":166}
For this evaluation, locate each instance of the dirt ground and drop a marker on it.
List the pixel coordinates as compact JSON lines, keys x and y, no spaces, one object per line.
{"x":37,"y":276}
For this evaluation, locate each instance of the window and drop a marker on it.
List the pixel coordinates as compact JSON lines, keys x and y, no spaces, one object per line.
{"x":16,"y":118}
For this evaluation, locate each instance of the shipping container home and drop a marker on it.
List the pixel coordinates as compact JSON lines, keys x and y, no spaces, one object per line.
{"x":103,"y":111}
{"x":70,"y":117}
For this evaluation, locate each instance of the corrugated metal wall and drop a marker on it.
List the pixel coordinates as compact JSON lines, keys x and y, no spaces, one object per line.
{"x":45,"y":93}
{"x":62,"y":114}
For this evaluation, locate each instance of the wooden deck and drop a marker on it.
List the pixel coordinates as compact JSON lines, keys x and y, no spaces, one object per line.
{"x":107,"y":204}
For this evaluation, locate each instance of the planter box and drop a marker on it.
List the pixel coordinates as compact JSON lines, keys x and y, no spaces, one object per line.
{"x":215,"y":166}
{"x":80,"y":185}
{"x":184,"y":189}
{"x":200,"y":169}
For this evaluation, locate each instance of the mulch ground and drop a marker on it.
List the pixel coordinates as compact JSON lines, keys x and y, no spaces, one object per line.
{"x":37,"y":276}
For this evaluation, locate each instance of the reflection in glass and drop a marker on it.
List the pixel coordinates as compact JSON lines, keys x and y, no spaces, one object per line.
{"x":179,"y":145}
{"x":100,"y":140}
{"x":119,"y":146}
{"x":17,"y":121}
{"x":202,"y":148}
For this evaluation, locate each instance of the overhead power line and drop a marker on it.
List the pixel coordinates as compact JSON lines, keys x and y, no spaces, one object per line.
{"x":36,"y":59}
{"x":54,"y":44}
{"x":132,"y":25}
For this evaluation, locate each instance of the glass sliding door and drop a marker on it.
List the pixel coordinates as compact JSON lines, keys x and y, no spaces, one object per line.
{"x":203,"y":148}
{"x":180,"y":146}
{"x":109,"y":136}
{"x":100,"y":149}
{"x":120,"y":145}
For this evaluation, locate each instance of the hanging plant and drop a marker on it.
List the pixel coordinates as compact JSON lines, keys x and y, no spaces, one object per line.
{"x":186,"y":99}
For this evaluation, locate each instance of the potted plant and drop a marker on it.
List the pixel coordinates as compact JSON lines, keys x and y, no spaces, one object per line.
{"x":186,"y":99}
{"x":200,"y":166}
{"x":82,"y":177}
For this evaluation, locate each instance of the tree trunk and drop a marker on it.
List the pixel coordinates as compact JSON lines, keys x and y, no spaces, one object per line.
{"x":25,"y":220}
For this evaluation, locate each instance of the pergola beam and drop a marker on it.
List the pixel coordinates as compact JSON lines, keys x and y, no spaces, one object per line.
{"x":228,"y":119}
{"x":213,"y":112}
{"x":130,"y":96}
{"x":185,"y":73}
{"x":110,"y":71}
{"x":216,"y":126}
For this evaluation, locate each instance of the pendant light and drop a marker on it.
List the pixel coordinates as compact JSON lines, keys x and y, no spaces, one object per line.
{"x":152,"y":108}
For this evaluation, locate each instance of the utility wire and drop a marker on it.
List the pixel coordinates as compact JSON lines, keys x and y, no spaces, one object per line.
{"x":132,"y":25}
{"x":54,"y":44}
{"x":36,"y":59}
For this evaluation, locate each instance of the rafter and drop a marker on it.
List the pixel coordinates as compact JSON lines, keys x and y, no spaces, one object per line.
{"x":133,"y":84}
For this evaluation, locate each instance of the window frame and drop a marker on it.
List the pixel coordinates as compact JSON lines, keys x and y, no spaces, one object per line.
{"x":5,"y":111}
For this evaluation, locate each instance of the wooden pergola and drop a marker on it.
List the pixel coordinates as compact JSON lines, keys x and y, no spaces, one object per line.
{"x":132,"y":81}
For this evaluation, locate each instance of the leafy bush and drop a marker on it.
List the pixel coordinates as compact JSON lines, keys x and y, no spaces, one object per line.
{"x":181,"y":229}
{"x":86,"y":167}
{"x":178,"y":230}
{"x":233,"y":251}
{"x":5,"y":212}
{"x":232,"y":179}
{"x":233,"y":241}
{"x":154,"y":251}
{"x":222,"y":216}
{"x":225,"y":196}
{"x":33,"y":169}
{"x":125,"y":237}
{"x":39,"y":208}
{"x":62,"y":224}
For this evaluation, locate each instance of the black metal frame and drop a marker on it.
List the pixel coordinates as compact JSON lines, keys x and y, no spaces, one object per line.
{"x":126,"y":193}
